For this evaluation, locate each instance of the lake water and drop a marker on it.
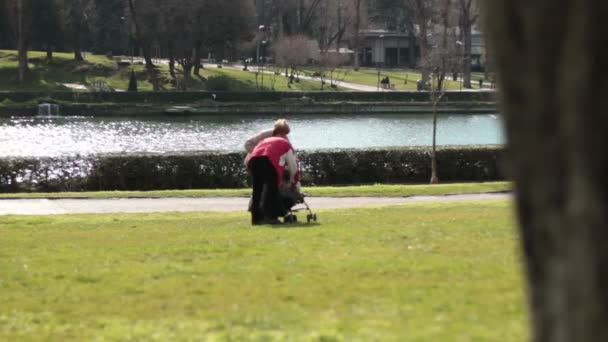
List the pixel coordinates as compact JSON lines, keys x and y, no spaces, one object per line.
{"x":60,"y":136}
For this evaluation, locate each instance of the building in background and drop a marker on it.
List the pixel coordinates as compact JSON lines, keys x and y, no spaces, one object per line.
{"x":386,"y":48}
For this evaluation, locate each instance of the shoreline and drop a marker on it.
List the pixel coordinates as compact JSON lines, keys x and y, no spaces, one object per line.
{"x":254,"y":108}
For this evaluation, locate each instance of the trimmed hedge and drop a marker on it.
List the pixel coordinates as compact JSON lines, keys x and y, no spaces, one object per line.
{"x":190,"y":97}
{"x":215,"y":170}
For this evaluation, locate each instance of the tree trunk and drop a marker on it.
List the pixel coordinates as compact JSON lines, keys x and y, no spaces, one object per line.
{"x":77,"y":18}
{"x":187,"y":68}
{"x":197,"y":61}
{"x":147,"y":51}
{"x":466,"y":56}
{"x":153,"y":73}
{"x":49,"y":52}
{"x":426,"y":75}
{"x":412,"y":50}
{"x":298,"y":24}
{"x":357,"y":32}
{"x":77,"y":48}
{"x":552,"y":62}
{"x":22,"y":42}
{"x":281,"y":25}
{"x":172,"y":60}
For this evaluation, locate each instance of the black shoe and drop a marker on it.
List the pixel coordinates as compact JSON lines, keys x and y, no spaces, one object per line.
{"x":256,"y":219}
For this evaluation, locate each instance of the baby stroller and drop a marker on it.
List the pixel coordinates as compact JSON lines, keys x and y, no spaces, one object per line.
{"x":291,"y":198}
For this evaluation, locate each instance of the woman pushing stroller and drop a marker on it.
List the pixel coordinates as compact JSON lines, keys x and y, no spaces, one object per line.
{"x":268,"y":161}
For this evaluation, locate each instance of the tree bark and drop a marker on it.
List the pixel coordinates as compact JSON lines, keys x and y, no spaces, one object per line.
{"x":22,"y":42}
{"x":422,"y":20}
{"x":412,"y":49}
{"x":76,"y":28}
{"x":468,"y":17}
{"x":444,"y":46}
{"x":197,"y":61}
{"x":172,"y":60}
{"x":357,"y":43}
{"x":49,"y":52}
{"x":153,"y":74}
{"x":147,"y":51}
{"x":466,"y":55}
{"x":77,"y":47}
{"x":551,"y":58}
{"x":187,"y":68}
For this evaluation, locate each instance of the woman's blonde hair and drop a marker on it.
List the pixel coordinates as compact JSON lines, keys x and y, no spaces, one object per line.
{"x":281,"y":127}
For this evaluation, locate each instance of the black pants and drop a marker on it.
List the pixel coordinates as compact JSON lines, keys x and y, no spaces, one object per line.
{"x":265,"y":202}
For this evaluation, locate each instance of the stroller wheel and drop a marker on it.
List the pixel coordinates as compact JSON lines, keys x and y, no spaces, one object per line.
{"x":314,"y":217}
{"x":308,"y":218}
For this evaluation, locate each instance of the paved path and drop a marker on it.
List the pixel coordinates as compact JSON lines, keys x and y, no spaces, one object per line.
{"x":347,"y":85}
{"x":147,"y":205}
{"x":254,"y":67}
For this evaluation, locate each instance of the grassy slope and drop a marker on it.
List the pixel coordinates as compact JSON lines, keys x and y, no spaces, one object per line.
{"x":63,"y":69}
{"x":47,"y":76}
{"x":246,"y":80}
{"x":432,"y":272}
{"x":365,"y":190}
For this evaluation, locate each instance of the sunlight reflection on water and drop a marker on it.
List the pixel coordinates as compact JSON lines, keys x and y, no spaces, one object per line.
{"x":61,"y":136}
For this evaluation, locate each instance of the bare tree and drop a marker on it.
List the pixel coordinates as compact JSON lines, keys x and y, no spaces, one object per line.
{"x":551,"y":58}
{"x":293,"y":52}
{"x":439,"y":60}
{"x":306,"y":10}
{"x":360,"y":9}
{"x":469,"y":12}
{"x":422,"y":11}
{"x":333,"y":23}
{"x":331,"y":64}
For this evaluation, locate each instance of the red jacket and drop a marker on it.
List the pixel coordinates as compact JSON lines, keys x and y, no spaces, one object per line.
{"x":275,"y":149}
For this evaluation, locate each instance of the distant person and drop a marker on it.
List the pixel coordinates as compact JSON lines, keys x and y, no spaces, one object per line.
{"x":268,"y":162}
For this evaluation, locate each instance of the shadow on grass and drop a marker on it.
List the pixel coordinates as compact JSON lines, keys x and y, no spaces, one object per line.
{"x":44,"y":75}
{"x":296,"y":225}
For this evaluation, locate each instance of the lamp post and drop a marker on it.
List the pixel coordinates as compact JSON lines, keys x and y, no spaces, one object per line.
{"x":378,"y":86}
{"x":131,"y":48}
{"x":263,"y":57}
{"x":262,"y":31}
{"x":460,"y":47}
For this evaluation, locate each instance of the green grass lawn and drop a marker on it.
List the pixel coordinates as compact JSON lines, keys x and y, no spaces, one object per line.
{"x":402,"y":79}
{"x":63,"y":69}
{"x":50,"y":76}
{"x":364,"y":190}
{"x":421,"y":272}
{"x":246,"y":80}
